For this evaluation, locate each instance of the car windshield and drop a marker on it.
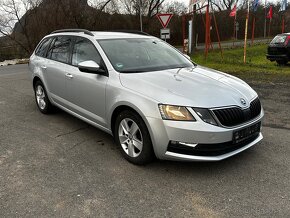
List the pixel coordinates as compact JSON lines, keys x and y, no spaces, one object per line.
{"x":280,"y":39}
{"x":142,"y":55}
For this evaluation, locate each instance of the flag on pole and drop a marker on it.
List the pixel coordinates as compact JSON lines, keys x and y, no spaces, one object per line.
{"x":283,"y":5}
{"x":234,"y":11}
{"x":270,"y":12}
{"x":255,"y":5}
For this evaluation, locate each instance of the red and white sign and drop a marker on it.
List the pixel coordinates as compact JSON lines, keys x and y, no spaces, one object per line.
{"x":164,"y":19}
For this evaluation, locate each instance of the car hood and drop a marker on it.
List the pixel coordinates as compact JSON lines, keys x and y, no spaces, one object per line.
{"x":196,"y":87}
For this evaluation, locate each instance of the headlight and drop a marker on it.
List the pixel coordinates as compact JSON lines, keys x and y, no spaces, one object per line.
{"x":205,"y":115}
{"x":170,"y":112}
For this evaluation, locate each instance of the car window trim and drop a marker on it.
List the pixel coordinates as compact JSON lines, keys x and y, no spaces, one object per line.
{"x":53,"y":38}
{"x":46,"y":49}
{"x":69,"y":51}
{"x":102,"y":60}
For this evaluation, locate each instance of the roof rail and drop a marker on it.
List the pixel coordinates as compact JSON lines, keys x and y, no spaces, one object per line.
{"x":131,"y":31}
{"x":74,"y":31}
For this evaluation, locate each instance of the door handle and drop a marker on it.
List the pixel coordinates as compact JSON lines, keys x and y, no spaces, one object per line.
{"x":69,"y":76}
{"x":44,"y":67}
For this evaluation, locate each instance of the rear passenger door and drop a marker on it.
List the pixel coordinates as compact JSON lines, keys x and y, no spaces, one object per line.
{"x":39,"y":63}
{"x":58,"y":59}
{"x":86,"y":90}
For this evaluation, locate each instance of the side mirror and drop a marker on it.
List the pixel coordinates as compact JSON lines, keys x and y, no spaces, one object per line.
{"x":187,"y":57}
{"x":91,"y":67}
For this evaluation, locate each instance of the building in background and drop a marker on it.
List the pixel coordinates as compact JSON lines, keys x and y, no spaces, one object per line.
{"x":191,"y":5}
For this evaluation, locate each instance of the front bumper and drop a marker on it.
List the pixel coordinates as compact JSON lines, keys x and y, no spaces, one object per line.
{"x":277,"y":57}
{"x":185,"y":157}
{"x":163,"y":132}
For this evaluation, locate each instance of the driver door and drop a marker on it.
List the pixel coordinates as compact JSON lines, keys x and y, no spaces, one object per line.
{"x":86,"y":91}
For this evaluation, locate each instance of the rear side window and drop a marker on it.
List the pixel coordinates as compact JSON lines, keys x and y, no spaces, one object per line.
{"x":60,"y":49}
{"x":84,"y":50}
{"x":41,"y":50}
{"x":280,"y":39}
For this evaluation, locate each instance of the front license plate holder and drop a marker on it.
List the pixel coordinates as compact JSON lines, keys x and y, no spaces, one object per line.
{"x":245,"y":133}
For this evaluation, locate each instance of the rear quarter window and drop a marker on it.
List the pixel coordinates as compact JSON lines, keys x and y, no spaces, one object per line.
{"x":42,"y":48}
{"x":60,"y":49}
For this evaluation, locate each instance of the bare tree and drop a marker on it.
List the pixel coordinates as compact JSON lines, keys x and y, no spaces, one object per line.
{"x":154,"y":7}
{"x":12,"y":12}
{"x":148,"y":8}
{"x":222,"y":5}
{"x":102,"y":5}
{"x":175,"y":7}
{"x":128,"y":6}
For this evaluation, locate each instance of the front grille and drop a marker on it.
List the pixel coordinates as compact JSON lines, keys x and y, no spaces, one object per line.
{"x":235,"y":115}
{"x":210,"y":149}
{"x":255,"y":108}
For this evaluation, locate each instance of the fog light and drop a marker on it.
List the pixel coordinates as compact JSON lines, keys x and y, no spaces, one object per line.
{"x":193,"y":145}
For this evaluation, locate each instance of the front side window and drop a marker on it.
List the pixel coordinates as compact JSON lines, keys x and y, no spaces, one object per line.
{"x":84,"y":50}
{"x":142,"y":55}
{"x":60,"y":49}
{"x":41,"y":50}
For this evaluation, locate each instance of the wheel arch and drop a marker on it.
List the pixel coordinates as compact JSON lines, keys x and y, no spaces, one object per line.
{"x":122,"y":107}
{"x":35,"y":79}
{"x":128,"y":106}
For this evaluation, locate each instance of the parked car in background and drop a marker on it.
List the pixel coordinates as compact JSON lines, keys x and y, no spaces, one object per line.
{"x":279,"y":49}
{"x":152,"y":98}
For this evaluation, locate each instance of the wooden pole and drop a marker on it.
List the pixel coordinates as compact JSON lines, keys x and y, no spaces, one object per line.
{"x":283,"y":23}
{"x":253,"y":29}
{"x":234,"y":35}
{"x":246,"y":33}
{"x":194,"y":28}
{"x":203,"y":20}
{"x":269,"y":32}
{"x":265,"y":22}
{"x":205,"y":26}
{"x":183,"y":31}
{"x":209,"y":32}
{"x":218,"y":34}
{"x":235,"y":21}
{"x":207,"y":29}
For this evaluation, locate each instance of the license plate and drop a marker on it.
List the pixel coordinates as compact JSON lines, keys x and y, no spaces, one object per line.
{"x":246,"y":133}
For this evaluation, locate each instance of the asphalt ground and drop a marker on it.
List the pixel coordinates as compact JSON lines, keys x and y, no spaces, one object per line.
{"x":58,"y":166}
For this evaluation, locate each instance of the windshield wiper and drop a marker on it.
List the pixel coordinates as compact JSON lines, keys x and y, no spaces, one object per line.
{"x":181,"y":68}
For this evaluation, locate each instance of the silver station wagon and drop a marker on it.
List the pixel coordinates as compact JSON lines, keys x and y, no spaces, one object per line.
{"x":152,"y":98}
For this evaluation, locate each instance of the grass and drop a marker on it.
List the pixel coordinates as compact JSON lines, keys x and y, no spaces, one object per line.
{"x":257,"y":66}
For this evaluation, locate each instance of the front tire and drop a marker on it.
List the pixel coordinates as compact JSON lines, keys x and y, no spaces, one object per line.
{"x":41,"y":98}
{"x":133,"y":139}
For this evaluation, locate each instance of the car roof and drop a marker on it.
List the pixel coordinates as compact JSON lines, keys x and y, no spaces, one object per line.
{"x":104,"y":35}
{"x":117,"y":35}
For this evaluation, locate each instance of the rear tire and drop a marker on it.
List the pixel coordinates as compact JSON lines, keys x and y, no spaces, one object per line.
{"x":41,"y":98}
{"x":133,"y":138}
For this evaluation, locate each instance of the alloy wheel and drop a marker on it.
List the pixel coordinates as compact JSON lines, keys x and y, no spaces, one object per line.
{"x":130,"y":137}
{"x":40,"y":97}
